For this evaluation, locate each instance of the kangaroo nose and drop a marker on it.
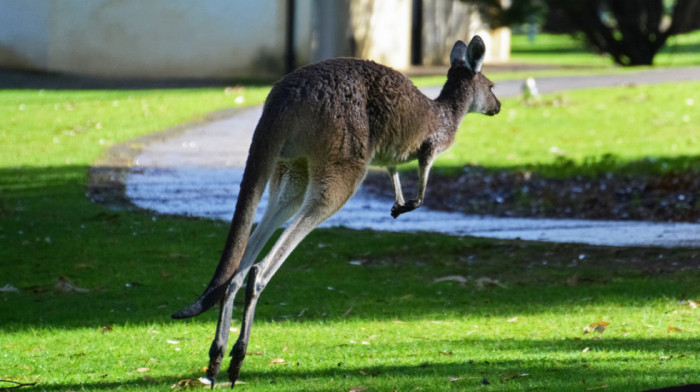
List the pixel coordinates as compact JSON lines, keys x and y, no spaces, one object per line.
{"x":497,"y":110}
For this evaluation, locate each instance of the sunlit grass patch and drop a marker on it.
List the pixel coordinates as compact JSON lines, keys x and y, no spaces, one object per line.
{"x":656,"y":126}
{"x":41,"y":128}
{"x":565,"y":50}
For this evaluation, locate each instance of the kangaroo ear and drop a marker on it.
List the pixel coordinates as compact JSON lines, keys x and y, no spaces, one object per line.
{"x":459,"y":52}
{"x":475,"y":54}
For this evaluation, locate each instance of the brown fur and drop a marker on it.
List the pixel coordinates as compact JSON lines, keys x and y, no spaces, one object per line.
{"x":321,"y":127}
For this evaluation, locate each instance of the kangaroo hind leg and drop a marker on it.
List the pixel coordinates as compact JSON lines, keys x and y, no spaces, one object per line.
{"x":329,"y":189}
{"x":287,"y":187}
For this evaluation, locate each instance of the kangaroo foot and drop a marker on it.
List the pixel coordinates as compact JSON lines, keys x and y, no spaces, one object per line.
{"x":213,"y":368}
{"x":410,"y":205}
{"x":237,"y":356}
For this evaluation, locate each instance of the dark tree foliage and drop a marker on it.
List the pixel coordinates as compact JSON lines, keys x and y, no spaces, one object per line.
{"x":631,"y":31}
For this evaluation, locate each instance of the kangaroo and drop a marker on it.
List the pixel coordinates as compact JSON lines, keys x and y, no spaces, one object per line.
{"x":322,"y":126}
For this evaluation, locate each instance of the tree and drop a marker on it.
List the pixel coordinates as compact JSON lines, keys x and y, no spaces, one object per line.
{"x":631,"y":31}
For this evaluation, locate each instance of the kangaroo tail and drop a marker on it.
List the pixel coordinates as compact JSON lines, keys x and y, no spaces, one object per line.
{"x":259,"y":167}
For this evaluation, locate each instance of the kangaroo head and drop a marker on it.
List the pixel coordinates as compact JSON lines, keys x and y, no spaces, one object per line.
{"x":468,"y":60}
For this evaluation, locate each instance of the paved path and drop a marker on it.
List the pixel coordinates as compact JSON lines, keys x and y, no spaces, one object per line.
{"x":198,"y":174}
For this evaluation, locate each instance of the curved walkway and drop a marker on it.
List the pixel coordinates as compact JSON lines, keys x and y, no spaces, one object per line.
{"x":198,"y":172}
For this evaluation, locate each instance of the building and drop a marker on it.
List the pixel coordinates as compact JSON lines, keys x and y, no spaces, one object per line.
{"x":231,"y":38}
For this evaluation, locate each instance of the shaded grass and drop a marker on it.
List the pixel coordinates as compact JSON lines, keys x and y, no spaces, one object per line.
{"x":384,"y":325}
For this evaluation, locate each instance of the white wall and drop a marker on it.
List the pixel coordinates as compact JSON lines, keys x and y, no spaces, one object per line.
{"x":223,"y":38}
{"x":24,"y":33}
{"x":153,"y":39}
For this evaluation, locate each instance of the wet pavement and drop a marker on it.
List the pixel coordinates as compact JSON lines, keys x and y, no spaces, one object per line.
{"x":198,"y":173}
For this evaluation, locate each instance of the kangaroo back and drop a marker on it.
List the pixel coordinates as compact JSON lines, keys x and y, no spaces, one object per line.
{"x":260,"y":164}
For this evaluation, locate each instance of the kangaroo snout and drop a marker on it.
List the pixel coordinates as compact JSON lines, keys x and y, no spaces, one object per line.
{"x":496,"y":110}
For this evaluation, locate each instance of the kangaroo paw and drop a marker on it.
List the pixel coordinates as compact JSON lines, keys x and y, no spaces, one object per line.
{"x":396,"y":210}
{"x":237,"y":356}
{"x":410,"y":205}
{"x":213,"y":369}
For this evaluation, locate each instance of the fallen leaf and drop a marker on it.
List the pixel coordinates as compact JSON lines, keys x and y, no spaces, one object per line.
{"x":204,"y":381}
{"x":452,"y":278}
{"x":453,"y":379}
{"x":674,"y":329}
{"x":173,"y":341}
{"x":596,"y":388}
{"x":187,"y":384}
{"x":143,"y":369}
{"x":512,"y":320}
{"x":64,"y":285}
{"x":276,"y":361}
{"x":514,"y":375}
{"x":586,"y":349}
{"x":446,"y":353}
{"x":484,"y":282}
{"x":8,"y":288}
{"x":106,"y":328}
{"x":598,"y":326}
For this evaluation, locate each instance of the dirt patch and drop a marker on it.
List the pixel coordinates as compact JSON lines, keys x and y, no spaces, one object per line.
{"x":673,"y":197}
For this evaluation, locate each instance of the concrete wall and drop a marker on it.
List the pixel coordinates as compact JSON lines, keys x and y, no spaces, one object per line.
{"x":154,"y":39}
{"x":225,"y":38}
{"x":24,"y":33}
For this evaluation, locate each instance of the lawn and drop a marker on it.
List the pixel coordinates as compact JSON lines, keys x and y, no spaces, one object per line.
{"x":652,"y":128}
{"x":563,"y":55}
{"x":96,"y":286}
{"x":565,"y":50}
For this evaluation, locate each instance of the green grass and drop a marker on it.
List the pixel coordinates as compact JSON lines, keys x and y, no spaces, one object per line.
{"x":564,"y":50}
{"x":48,"y":128}
{"x":384,"y":325}
{"x":654,"y":128}
{"x":554,"y":50}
